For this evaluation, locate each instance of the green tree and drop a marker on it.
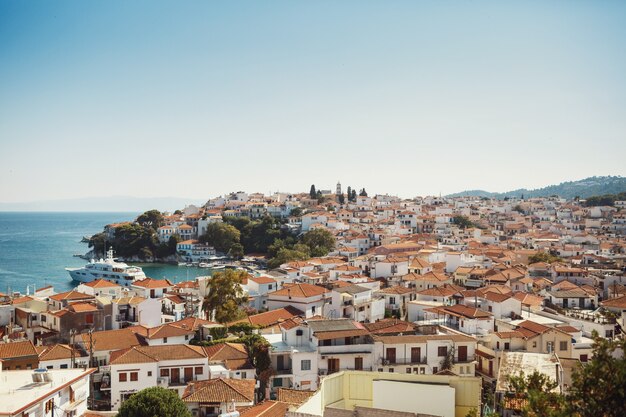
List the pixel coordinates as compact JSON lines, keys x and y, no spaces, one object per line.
{"x":341,"y":199}
{"x":259,"y":353}
{"x":319,"y":241}
{"x":349,"y":193}
{"x":284,"y":255}
{"x":236,"y":251}
{"x":518,"y":208}
{"x":221,"y":236}
{"x":599,"y":386}
{"x":462,"y":221}
{"x":353,"y":196}
{"x":296,"y":212}
{"x":151,"y":218}
{"x":225,"y":296}
{"x":98,"y":242}
{"x":154,"y":402}
{"x":133,"y":239}
{"x":539,"y":392}
{"x":543,"y":257}
{"x":312,"y":192}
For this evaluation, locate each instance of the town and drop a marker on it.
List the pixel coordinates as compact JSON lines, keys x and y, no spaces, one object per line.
{"x":331,"y":302}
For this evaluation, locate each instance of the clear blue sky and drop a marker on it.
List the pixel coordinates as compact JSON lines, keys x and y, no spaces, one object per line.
{"x":194,"y":99}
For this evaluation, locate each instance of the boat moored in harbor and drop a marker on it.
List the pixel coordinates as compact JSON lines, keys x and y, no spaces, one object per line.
{"x":108,"y":269}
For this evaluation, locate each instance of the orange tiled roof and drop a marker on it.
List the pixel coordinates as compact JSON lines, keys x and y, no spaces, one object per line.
{"x":266,"y":409}
{"x":17,"y":349}
{"x":292,"y":396}
{"x":220,"y":391}
{"x":301,"y":290}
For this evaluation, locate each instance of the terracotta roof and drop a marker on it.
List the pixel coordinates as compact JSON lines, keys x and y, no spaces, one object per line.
{"x":151,"y":283}
{"x":115,"y":339}
{"x":266,"y":409}
{"x":17,"y":349}
{"x":82,"y":307}
{"x":220,"y":391}
{"x":272,"y":317}
{"x":143,"y":354}
{"x":460,"y":310}
{"x":167,"y":330}
{"x":398,"y":289}
{"x":262,"y":280}
{"x":292,"y":396}
{"x":101,"y":283}
{"x":300,"y":291}
{"x":422,"y":338}
{"x":193,"y":323}
{"x":619,"y":302}
{"x":54,"y":352}
{"x":71,"y":295}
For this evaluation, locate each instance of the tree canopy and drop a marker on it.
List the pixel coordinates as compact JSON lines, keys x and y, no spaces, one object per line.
{"x":154,"y":402}
{"x":462,"y":221}
{"x":151,"y":218}
{"x":221,"y":236}
{"x":598,"y":387}
{"x":543,"y":257}
{"x":319,"y":241}
{"x":225,"y":296}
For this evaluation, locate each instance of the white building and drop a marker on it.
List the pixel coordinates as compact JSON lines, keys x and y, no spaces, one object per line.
{"x":44,"y":393}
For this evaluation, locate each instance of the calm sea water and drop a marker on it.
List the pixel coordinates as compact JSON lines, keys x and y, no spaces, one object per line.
{"x":35,"y":249}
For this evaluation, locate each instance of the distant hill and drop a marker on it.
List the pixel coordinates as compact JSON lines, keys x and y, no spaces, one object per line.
{"x":585,"y":188}
{"x":103,"y":204}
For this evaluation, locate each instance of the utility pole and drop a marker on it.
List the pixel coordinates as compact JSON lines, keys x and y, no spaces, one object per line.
{"x":72,"y":351}
{"x":90,"y":402}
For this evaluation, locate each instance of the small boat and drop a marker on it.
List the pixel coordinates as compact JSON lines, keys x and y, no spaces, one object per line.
{"x":203,"y":265}
{"x":188,"y":264}
{"x":218,"y":267}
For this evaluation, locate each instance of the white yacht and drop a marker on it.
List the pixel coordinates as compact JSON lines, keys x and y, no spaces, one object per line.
{"x":108,"y":269}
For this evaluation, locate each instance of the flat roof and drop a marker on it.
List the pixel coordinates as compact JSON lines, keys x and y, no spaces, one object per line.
{"x":18,"y":391}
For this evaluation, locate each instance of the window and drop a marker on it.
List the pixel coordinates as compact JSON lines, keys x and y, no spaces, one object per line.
{"x":165,"y":372}
{"x":442,"y":351}
{"x":199,"y":370}
{"x":408,"y":370}
{"x":422,"y":370}
{"x":122,"y":376}
{"x":534,"y":344}
{"x":305,"y":365}
{"x":186,"y":337}
{"x":165,"y":340}
{"x":550,"y":347}
{"x":64,"y":366}
{"x":584,"y":358}
{"x":149,"y":373}
{"x":392,"y":300}
{"x":244,"y":375}
{"x":507,"y":346}
{"x":380,"y":369}
{"x":313,"y":310}
{"x":563,"y":345}
{"x":134,"y":376}
{"x":89,"y":318}
{"x":391,"y":370}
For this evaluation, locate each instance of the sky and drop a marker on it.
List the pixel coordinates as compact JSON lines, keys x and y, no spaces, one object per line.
{"x":196,"y":99}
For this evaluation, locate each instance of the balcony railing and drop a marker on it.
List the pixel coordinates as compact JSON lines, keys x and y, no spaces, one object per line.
{"x":405,"y":361}
{"x":342,"y":349}
{"x":326,"y":372}
{"x":285,"y":371}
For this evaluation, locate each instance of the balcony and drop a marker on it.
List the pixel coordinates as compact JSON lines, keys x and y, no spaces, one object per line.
{"x":404,"y":361}
{"x":345,"y":349}
{"x":284,"y":371}
{"x":327,"y":372}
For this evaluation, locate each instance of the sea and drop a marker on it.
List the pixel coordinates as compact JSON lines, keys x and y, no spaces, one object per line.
{"x":36,"y":247}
